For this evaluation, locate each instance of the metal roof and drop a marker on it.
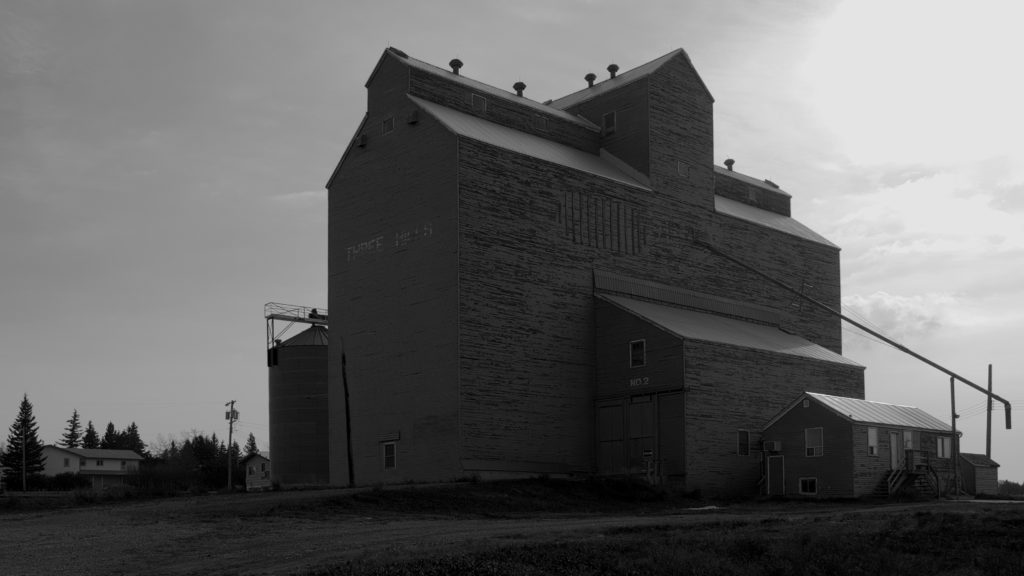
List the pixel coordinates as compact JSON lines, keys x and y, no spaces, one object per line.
{"x":620,"y":80}
{"x":719,"y":171}
{"x":979,"y":460}
{"x":768,"y":219}
{"x":101,"y":453}
{"x":468,"y":126}
{"x":869,"y":412}
{"x":693,"y":325}
{"x":483,"y":88}
{"x":315,"y":335}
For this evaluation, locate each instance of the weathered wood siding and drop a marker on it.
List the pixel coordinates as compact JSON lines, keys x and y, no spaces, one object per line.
{"x":735,"y":188}
{"x":630,"y":141}
{"x":834,"y":468}
{"x":393,"y":243}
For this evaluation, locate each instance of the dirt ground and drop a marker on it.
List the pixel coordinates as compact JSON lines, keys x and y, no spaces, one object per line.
{"x":287,"y":533}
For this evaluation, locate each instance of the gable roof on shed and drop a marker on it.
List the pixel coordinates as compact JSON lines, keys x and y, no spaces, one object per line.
{"x":868,"y":412}
{"x":469,"y":126}
{"x":694,"y":325}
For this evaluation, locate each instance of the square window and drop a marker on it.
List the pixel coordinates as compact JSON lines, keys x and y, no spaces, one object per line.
{"x":388,"y":125}
{"x":743,"y":442}
{"x":390,"y":456}
{"x":808,"y":485}
{"x":540,"y":123}
{"x":608,"y":124}
{"x":813,"y":441}
{"x":99,"y":462}
{"x":872,"y":441}
{"x":637,"y":353}
{"x":478,"y":103}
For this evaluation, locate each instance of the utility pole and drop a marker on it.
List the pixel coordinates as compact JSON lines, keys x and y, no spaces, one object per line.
{"x":954,"y":441}
{"x":988,"y":424}
{"x":231,"y":415}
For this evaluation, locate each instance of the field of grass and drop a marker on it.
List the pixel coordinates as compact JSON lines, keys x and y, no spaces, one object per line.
{"x":744,"y":539}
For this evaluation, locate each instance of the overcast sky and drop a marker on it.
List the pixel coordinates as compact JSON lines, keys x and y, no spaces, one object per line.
{"x":163,"y":163}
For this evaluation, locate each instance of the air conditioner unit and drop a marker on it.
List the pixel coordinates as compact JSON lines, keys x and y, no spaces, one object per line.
{"x":772,"y":446}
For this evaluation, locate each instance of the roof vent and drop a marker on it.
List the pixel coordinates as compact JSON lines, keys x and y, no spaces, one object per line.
{"x":770,"y":183}
{"x":455,"y":64}
{"x":728,"y":163}
{"x":519,"y":87}
{"x":590,"y":77}
{"x":612,"y":69}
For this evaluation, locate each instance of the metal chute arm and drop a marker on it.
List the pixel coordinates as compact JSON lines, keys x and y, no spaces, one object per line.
{"x":714,"y":250}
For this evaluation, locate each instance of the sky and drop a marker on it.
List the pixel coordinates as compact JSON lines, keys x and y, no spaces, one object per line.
{"x":163,"y":164}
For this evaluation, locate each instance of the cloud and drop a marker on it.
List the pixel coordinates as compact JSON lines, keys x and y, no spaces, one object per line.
{"x":901,"y":317}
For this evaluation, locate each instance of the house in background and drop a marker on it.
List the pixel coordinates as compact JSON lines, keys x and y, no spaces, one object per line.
{"x":831,"y":446}
{"x":103,"y":468}
{"x":980,"y":474}
{"x":257,"y":472}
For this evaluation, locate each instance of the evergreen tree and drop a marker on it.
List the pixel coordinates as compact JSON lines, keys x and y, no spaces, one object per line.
{"x":73,"y":433}
{"x":250,"y":446}
{"x":24,"y":455}
{"x":111,"y":438}
{"x":132,"y":441}
{"x":91,"y":439}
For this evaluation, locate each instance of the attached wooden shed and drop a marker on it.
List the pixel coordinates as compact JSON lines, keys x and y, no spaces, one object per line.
{"x":831,"y":446}
{"x":980,"y":474}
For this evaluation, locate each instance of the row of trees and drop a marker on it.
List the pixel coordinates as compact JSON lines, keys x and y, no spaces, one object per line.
{"x":198,"y":462}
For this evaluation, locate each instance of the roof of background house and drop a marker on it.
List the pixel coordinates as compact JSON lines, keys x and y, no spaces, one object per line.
{"x":488,"y":132}
{"x":100,"y":453}
{"x":868,"y":412}
{"x":768,"y":219}
{"x":695,"y":325}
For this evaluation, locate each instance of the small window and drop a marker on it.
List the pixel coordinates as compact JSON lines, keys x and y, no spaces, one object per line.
{"x":608,"y":124}
{"x":99,"y":462}
{"x":806,"y":403}
{"x":81,"y":462}
{"x":908,"y":440}
{"x":743,"y":442}
{"x":67,"y":462}
{"x":808,"y":486}
{"x":872,"y":441}
{"x":478,"y":103}
{"x":252,"y":469}
{"x":540,"y":123}
{"x":637,"y":353}
{"x":390,"y":456}
{"x":945,"y":447}
{"x":123,"y":464}
{"x":388,"y":125}
{"x":813,"y":440}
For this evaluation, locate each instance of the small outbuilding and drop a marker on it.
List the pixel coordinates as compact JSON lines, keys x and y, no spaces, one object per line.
{"x":980,"y":474}
{"x":257,"y":473}
{"x":823,"y":446}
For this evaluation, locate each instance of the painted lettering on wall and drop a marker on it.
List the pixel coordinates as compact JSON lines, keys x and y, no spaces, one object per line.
{"x":397,"y":239}
{"x":639,"y":381}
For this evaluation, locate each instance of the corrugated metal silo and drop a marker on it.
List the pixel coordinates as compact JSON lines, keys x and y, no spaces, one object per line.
{"x":298,"y":409}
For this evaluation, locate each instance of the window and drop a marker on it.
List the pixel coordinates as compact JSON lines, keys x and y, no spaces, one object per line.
{"x":67,"y":462}
{"x":872,"y":441}
{"x":637,"y":353}
{"x":743,"y":442}
{"x":263,"y":466}
{"x":252,"y":470}
{"x":99,"y":462}
{"x":388,"y":125}
{"x":389,"y":453}
{"x":478,"y":103}
{"x":809,"y":485}
{"x":608,"y":124}
{"x":81,"y":462}
{"x":908,"y":440}
{"x":813,"y":440}
{"x":540,"y":123}
{"x":945,"y":447}
{"x":123,"y":464}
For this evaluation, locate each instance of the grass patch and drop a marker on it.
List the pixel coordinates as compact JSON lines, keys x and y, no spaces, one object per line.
{"x":954,"y":543}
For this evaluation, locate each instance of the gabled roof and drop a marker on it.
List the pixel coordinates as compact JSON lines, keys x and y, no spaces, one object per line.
{"x":468,"y":126}
{"x":621,"y":80}
{"x":693,"y":325}
{"x":480,"y":87}
{"x":101,"y":453}
{"x":768,"y":219}
{"x":868,"y":412}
